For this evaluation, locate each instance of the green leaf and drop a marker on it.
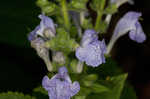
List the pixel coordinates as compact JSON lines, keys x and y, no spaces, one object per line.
{"x":110,"y":68}
{"x":91,"y":77}
{"x":97,"y":88}
{"x":84,"y":91}
{"x":41,"y":90}
{"x":89,"y":80}
{"x":128,"y":92}
{"x":62,"y":42}
{"x":80,"y":97}
{"x":14,"y":95}
{"x":111,"y":9}
{"x":40,"y":93}
{"x":117,"y":84}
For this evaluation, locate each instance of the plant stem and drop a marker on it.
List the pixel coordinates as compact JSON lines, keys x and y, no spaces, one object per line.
{"x":65,"y":14}
{"x":82,"y":17}
{"x":111,"y":44}
{"x":76,"y":21}
{"x":99,"y":16}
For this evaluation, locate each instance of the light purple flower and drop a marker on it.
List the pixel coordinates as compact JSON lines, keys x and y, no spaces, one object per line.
{"x":129,"y":23}
{"x":120,"y":2}
{"x":91,"y":50}
{"x":89,"y":36}
{"x":60,"y":86}
{"x":39,"y":45}
{"x":47,"y":26}
{"x":45,"y":29}
{"x":32,"y":35}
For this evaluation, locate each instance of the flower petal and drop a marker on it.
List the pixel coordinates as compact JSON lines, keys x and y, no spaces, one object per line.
{"x":126,"y":23}
{"x":75,"y":87}
{"x":91,"y":50}
{"x":89,"y":36}
{"x":81,"y":53}
{"x":94,"y":54}
{"x":138,"y":34}
{"x":63,"y":90}
{"x":32,"y":35}
{"x":46,"y":26}
{"x":47,"y":83}
{"x":59,"y":87}
{"x":62,"y":70}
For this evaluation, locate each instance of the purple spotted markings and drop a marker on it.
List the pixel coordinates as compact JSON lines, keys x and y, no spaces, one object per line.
{"x":91,"y":50}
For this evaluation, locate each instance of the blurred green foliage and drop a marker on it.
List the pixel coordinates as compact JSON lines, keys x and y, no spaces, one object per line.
{"x":14,"y":95}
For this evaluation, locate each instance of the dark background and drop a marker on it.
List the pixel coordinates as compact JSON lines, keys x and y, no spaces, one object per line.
{"x":22,"y":70}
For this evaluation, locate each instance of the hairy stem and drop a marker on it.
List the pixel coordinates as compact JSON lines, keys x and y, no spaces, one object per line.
{"x":65,"y":14}
{"x":100,"y":14}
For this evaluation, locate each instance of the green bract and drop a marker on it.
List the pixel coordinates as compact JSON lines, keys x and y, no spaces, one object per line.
{"x":87,"y":24}
{"x":42,"y":3}
{"x":78,"y":4}
{"x":111,"y":9}
{"x":47,"y":7}
{"x":97,"y":5}
{"x":62,"y":42}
